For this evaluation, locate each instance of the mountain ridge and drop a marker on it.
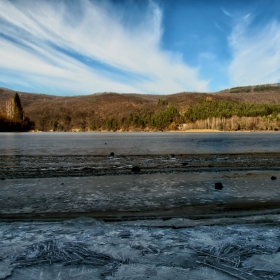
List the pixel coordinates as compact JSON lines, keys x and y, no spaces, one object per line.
{"x":90,"y":112}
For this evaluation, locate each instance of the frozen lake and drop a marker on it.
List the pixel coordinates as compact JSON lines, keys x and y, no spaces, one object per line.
{"x":93,"y":143}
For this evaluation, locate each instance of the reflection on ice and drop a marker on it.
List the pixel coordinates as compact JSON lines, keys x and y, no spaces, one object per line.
{"x":88,"y":249}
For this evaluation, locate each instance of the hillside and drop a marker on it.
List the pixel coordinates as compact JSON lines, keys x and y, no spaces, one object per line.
{"x":114,"y":111}
{"x":254,"y":94}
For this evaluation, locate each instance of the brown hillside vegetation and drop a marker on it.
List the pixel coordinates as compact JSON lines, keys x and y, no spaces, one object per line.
{"x":26,"y":98}
{"x":114,"y":111}
{"x":254,"y":94}
{"x":271,"y":96}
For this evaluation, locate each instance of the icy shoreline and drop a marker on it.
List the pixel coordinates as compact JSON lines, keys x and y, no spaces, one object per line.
{"x":185,"y":195}
{"x":26,"y":166}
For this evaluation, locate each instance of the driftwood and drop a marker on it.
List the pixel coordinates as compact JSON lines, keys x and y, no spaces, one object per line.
{"x":54,"y":251}
{"x":228,"y":258}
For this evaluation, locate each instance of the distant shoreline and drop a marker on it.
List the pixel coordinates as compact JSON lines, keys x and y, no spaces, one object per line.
{"x":218,"y":131}
{"x":168,"y":131}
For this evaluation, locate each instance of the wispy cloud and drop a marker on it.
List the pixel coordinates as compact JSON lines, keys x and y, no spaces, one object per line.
{"x":226,"y":12}
{"x":256,"y":53}
{"x":87,"y":47}
{"x":218,"y":26}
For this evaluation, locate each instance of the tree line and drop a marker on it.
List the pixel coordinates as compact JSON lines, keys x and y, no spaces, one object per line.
{"x":163,"y":120}
{"x":227,"y":109}
{"x":215,"y":114}
{"x":268,"y":87}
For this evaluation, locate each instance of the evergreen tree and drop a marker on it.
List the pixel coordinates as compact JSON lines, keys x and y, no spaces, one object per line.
{"x":18,"y":108}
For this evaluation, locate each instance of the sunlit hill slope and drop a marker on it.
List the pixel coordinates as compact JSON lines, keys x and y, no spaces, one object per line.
{"x":241,"y":108}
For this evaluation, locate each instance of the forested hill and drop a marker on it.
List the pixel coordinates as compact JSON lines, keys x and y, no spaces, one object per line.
{"x":251,"y":107}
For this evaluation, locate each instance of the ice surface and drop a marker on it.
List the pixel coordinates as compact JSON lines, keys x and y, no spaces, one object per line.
{"x":140,"y":192}
{"x":85,"y":248}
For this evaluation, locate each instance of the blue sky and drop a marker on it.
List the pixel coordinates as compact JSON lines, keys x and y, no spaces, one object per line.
{"x":138,"y":46}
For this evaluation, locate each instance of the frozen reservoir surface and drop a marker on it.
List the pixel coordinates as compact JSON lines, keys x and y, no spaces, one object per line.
{"x":85,"y":248}
{"x":138,"y":143}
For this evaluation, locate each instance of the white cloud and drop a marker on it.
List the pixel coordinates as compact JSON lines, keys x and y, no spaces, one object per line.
{"x":256,"y":54}
{"x":97,"y":33}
